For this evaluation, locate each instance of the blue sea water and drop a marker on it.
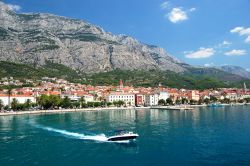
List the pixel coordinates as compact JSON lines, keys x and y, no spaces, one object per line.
{"x":205,"y":136}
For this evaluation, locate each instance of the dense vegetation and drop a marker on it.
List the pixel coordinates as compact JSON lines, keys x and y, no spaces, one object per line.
{"x":23,"y":71}
{"x":167,"y":78}
{"x":192,"y":79}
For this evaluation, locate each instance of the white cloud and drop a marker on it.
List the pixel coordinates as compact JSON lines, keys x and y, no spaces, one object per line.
{"x":236,"y":53}
{"x":14,"y":7}
{"x":177,"y":15}
{"x":242,"y":32}
{"x":236,"y":29}
{"x":201,"y":53}
{"x":248,"y":70}
{"x":247,"y":39}
{"x":209,"y":64}
{"x":192,"y":9}
{"x":226,"y":43}
{"x":165,"y":5}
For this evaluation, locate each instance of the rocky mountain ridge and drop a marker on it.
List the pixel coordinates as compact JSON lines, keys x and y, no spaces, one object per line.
{"x":34,"y":38}
{"x":237,"y":70}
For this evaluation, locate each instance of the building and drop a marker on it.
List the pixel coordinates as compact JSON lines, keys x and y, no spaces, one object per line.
{"x":194,"y":95}
{"x":128,"y":98}
{"x":151,"y":99}
{"x":164,"y":95}
{"x":20,"y":98}
{"x":139,"y":100}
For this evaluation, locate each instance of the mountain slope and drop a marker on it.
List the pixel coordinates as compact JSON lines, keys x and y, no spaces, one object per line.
{"x":36,"y":38}
{"x":144,"y":78}
{"x":235,"y":70}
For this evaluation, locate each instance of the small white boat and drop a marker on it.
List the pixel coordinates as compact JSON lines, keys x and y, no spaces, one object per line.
{"x":123,"y":136}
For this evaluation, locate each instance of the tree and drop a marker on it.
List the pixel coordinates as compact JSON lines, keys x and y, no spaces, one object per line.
{"x":9,"y":92}
{"x":109,"y":104}
{"x":90,"y":104}
{"x":241,"y":101}
{"x":75,"y":104}
{"x":66,"y":103}
{"x":200,"y":101}
{"x":115,"y":103}
{"x":169,"y":101}
{"x":226,"y":100}
{"x":192,"y":102}
{"x":27,"y":104}
{"x":184,"y":101}
{"x":47,"y":102}
{"x":161,"y":102}
{"x":213,"y":99}
{"x":97,"y":104}
{"x":206,"y":100}
{"x":247,"y":100}
{"x":1,"y":104}
{"x":120,"y":103}
{"x":82,"y":101}
{"x":178,"y":101}
{"x":56,"y":100}
{"x":14,"y":104}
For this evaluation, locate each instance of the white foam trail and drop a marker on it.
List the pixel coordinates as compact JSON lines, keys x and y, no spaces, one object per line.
{"x":100,"y":138}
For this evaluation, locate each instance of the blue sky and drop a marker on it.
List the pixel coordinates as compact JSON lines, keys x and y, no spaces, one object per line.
{"x":203,"y":32}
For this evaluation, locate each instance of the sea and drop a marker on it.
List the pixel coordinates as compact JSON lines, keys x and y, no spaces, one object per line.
{"x":205,"y":136}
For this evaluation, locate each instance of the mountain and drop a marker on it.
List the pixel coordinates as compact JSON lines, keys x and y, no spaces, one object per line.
{"x":237,"y":70}
{"x":34,"y":38}
{"x":34,"y":45}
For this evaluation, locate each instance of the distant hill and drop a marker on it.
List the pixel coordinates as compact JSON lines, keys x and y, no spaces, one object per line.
{"x":236,"y":70}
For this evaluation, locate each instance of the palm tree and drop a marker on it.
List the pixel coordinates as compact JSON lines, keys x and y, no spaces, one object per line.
{"x":1,"y":104}
{"x":82,"y":100}
{"x":161,"y":102}
{"x":9,"y":92}
{"x":14,"y":104}
{"x":28,"y":103}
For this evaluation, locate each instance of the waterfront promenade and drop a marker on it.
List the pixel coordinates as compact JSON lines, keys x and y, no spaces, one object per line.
{"x":56,"y":111}
{"x":67,"y":110}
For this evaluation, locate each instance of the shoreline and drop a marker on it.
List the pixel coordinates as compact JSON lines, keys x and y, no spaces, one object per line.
{"x":67,"y":110}
{"x":183,"y":107}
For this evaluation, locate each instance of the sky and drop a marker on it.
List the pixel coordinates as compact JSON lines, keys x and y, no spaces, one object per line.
{"x":202,"y":33}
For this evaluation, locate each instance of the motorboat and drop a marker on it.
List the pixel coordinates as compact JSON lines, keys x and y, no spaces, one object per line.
{"x":123,"y":136}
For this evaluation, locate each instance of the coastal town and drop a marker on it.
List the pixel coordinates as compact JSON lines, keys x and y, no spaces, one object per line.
{"x":53,"y":93}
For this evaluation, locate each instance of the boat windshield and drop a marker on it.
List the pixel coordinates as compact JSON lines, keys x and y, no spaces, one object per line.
{"x":120,"y":132}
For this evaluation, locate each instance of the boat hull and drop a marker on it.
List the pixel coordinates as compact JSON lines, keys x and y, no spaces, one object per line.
{"x":122,"y":138}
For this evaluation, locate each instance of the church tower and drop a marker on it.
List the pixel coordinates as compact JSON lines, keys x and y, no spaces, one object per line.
{"x":245,"y":87}
{"x":121,"y":84}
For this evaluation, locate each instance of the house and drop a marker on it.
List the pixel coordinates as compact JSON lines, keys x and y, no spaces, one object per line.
{"x":128,"y":98}
{"x":139,"y":99}
{"x":194,"y":95}
{"x":20,"y":98}
{"x":151,"y":99}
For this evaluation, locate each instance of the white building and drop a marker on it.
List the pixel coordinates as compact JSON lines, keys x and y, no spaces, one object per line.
{"x":128,"y":98}
{"x":163,"y":96}
{"x":20,"y":98}
{"x":76,"y":97}
{"x":88,"y":98}
{"x":151,"y":99}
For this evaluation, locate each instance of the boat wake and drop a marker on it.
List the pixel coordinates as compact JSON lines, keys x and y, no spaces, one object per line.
{"x":99,"y":138}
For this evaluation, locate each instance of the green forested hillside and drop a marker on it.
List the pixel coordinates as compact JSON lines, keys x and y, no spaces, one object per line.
{"x":154,"y":77}
{"x":22,"y":71}
{"x":192,"y":79}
